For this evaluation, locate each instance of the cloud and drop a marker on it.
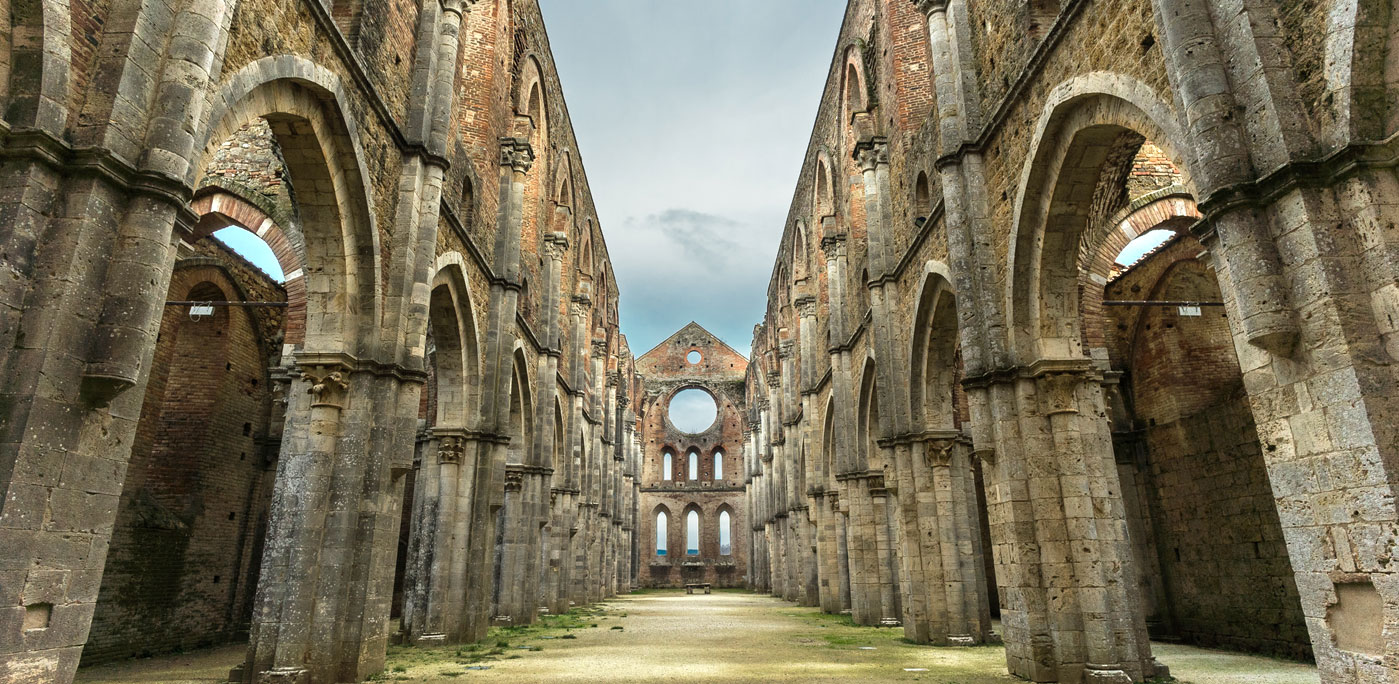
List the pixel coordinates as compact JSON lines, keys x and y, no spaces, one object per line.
{"x":692,"y":122}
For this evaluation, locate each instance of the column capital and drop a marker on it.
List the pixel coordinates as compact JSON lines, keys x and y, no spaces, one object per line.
{"x":555,"y":244}
{"x":774,"y":378}
{"x":786,"y":349}
{"x":806,"y":306}
{"x":871,"y":153}
{"x":833,"y":244}
{"x":328,"y":384}
{"x":517,"y":154}
{"x":450,"y":449}
{"x":927,"y":7}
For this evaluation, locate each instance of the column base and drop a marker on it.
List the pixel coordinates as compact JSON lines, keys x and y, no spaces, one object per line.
{"x":1105,"y":674}
{"x":430,"y":640}
{"x":284,"y":675}
{"x":961,"y":640}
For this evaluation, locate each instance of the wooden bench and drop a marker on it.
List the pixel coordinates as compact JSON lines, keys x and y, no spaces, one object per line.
{"x":690,"y":588}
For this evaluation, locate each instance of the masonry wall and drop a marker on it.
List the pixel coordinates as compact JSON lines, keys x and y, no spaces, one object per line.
{"x":719,"y":372}
{"x":189,"y":530}
{"x":1221,"y":565}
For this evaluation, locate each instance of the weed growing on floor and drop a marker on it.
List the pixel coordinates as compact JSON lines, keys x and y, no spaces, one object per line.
{"x":501,"y":643}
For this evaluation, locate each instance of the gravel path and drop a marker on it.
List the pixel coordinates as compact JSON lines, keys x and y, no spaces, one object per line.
{"x":723,"y":637}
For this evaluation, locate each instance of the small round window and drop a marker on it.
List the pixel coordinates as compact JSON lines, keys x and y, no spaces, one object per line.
{"x":692,"y":411}
{"x":693,"y":357}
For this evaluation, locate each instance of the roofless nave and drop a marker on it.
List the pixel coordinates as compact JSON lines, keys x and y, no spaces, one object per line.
{"x":957,"y":407}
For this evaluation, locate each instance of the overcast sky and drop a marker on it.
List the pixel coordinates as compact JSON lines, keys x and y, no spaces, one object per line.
{"x":692,"y":120}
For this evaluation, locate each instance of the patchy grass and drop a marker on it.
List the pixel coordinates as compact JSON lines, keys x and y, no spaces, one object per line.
{"x":415,"y":663}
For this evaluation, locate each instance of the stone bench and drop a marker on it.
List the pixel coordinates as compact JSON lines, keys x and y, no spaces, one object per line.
{"x":690,"y":588}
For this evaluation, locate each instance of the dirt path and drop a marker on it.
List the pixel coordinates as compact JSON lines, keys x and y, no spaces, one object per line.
{"x":724,"y":637}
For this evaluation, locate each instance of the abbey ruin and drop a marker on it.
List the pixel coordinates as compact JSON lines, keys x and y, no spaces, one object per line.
{"x":962,"y":418}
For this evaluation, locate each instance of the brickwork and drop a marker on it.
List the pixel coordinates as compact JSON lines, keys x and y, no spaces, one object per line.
{"x":189,"y":529}
{"x":1057,"y":133}
{"x":368,"y":145}
{"x":719,"y":372}
{"x":1219,"y":543}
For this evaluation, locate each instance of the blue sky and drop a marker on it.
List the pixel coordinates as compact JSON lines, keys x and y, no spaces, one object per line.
{"x":252,"y":248}
{"x":692,"y":120}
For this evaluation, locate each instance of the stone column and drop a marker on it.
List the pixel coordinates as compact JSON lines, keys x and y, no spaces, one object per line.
{"x":434,"y":611}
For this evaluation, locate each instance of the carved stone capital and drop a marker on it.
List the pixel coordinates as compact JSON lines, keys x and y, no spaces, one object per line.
{"x":517,"y":154}
{"x":1059,"y":392}
{"x":555,"y":244}
{"x":806,"y":306}
{"x":450,"y":449}
{"x":514,"y":479}
{"x":872,"y":153}
{"x":927,"y":7}
{"x":938,"y":452}
{"x":833,"y":244}
{"x":328,"y":386}
{"x":774,"y":378}
{"x":786,"y":349}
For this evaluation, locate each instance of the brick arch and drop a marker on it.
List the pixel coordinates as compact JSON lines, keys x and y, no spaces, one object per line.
{"x":1081,"y":120}
{"x":222,"y":209}
{"x":1169,"y":208}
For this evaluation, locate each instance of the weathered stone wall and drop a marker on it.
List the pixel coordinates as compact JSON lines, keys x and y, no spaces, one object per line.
{"x":1219,"y":544}
{"x":189,"y":529}
{"x":1057,"y":132}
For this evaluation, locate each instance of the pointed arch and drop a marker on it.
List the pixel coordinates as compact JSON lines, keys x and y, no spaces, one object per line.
{"x":303,"y":104}
{"x":1072,"y":138}
{"x":452,"y":322}
{"x":867,"y":421}
{"x":660,"y":534}
{"x":521,"y":410}
{"x":933,"y":359}
{"x":694,"y":527}
{"x":724,"y":530}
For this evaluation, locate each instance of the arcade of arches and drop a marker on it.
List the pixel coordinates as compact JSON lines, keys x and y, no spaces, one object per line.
{"x":977,"y":408}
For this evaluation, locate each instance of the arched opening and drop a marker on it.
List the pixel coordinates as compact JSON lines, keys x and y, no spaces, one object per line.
{"x":440,"y":491}
{"x":661,"y":523}
{"x":725,"y":534}
{"x":922,"y":198}
{"x":718,"y":465}
{"x":666,"y":464}
{"x":323,"y":240}
{"x":191,"y":523}
{"x":1097,"y":184}
{"x":693,"y":459}
{"x":692,"y":533}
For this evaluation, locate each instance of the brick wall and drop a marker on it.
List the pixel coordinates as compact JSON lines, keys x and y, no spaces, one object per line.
{"x":184,"y":553}
{"x":1208,"y":537}
{"x":721,"y":372}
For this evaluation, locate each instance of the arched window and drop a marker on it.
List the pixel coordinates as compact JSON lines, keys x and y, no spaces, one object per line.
{"x":718,"y":465}
{"x":692,"y":534}
{"x":665,"y":466}
{"x":694,"y":465}
{"x":725,"y":545}
{"x":660,"y":533}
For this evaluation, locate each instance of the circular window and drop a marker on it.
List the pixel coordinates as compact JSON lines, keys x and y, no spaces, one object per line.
{"x":693,"y":357}
{"x":692,"y":411}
